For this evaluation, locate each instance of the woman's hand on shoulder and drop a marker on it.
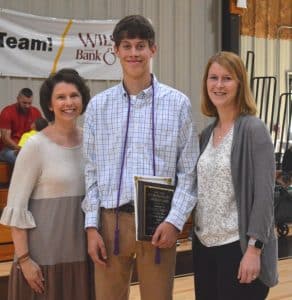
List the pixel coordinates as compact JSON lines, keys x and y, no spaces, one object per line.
{"x":250,"y":265}
{"x":33,"y":275}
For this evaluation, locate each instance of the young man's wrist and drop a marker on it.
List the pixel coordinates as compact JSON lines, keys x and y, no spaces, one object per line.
{"x":91,"y":228}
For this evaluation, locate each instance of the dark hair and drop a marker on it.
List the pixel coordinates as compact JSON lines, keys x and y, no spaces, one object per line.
{"x":25,"y":92}
{"x":40,"y":124}
{"x":63,"y":75}
{"x":234,"y":64}
{"x":134,"y":26}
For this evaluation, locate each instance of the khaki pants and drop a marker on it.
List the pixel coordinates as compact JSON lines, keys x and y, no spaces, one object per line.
{"x":113,"y":282}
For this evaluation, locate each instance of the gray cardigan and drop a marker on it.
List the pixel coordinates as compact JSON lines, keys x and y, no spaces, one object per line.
{"x":253,"y":176}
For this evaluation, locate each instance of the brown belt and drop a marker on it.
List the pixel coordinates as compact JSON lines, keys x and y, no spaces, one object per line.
{"x":127,"y":208}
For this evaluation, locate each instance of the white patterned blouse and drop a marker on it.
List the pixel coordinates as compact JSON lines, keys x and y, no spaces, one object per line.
{"x":216,"y":215}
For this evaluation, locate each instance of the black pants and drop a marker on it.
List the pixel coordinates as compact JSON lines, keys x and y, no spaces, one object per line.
{"x":215,"y":271}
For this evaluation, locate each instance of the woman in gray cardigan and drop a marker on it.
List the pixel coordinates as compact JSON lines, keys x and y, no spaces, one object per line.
{"x":234,"y":245}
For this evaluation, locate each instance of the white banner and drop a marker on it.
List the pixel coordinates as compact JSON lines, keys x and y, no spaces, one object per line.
{"x":34,"y":46}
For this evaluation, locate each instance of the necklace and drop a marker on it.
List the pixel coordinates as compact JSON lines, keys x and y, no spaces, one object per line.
{"x":220,"y":132}
{"x":116,"y":238}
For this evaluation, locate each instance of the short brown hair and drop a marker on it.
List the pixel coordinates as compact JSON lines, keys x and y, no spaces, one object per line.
{"x":64,"y":75}
{"x":234,"y":64}
{"x":134,"y":26}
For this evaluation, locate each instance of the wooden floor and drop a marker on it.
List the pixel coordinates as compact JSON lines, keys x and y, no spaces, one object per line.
{"x":184,"y":288}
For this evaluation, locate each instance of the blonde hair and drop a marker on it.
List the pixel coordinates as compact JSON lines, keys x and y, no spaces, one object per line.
{"x":233,"y":63}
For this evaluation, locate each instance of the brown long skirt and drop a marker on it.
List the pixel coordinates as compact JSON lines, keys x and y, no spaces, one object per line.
{"x":66,"y":281}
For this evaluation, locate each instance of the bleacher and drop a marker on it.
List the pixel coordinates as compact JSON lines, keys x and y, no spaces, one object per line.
{"x":6,"y":244}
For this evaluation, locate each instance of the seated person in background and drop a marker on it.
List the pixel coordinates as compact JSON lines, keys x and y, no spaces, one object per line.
{"x":38,"y":125}
{"x":284,"y":177}
{"x":15,"y":119}
{"x":287,"y":161}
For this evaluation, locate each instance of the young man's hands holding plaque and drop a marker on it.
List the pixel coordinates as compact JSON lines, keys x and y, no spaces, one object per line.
{"x":153,"y":196}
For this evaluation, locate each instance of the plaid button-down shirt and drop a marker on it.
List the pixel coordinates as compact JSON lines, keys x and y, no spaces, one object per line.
{"x":176,"y":148}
